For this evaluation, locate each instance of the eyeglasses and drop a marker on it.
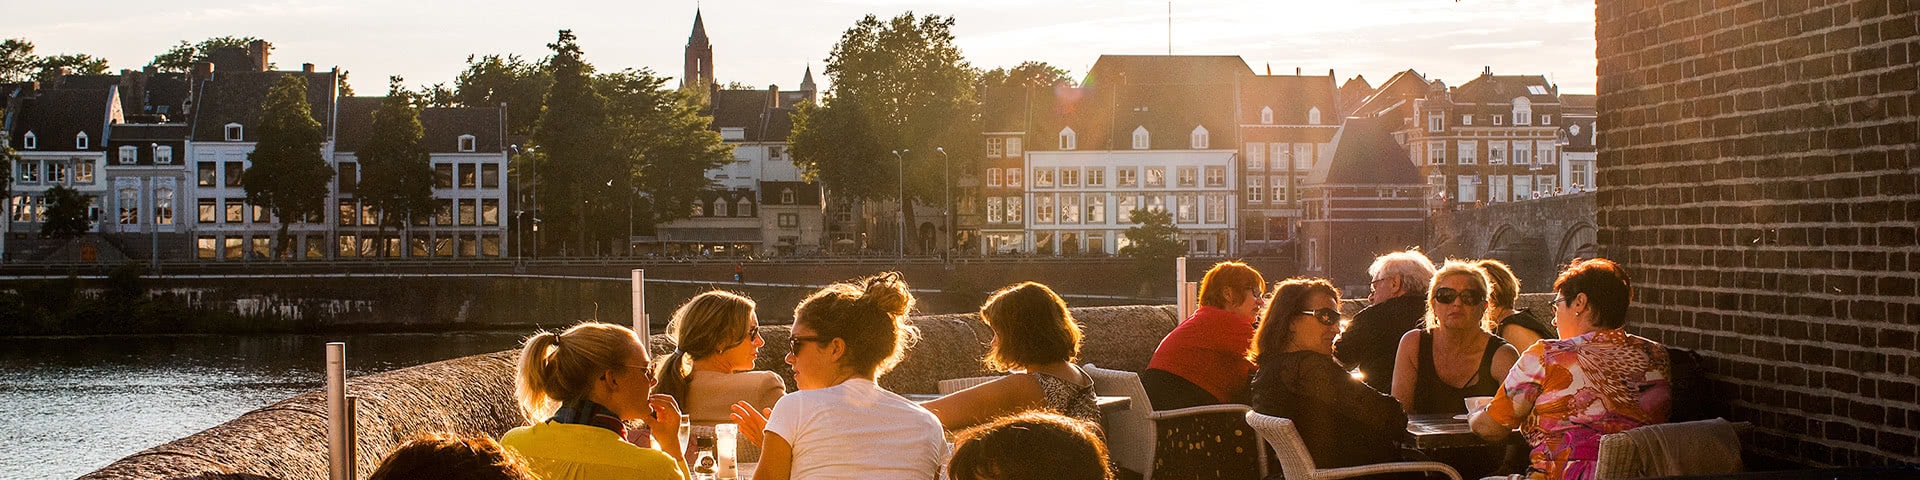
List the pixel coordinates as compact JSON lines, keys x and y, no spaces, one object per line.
{"x":1470,"y":297}
{"x":793,"y":344}
{"x":1326,"y":316}
{"x":647,"y":370}
{"x":1560,"y":299}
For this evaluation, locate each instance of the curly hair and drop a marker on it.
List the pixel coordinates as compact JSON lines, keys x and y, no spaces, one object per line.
{"x":869,"y":314}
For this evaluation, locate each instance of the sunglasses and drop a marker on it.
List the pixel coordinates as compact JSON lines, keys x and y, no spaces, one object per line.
{"x":1469,"y":297}
{"x":1326,"y":316}
{"x":793,"y":344}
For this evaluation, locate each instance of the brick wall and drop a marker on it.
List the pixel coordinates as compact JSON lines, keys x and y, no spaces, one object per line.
{"x":1758,"y":178}
{"x":1534,"y":237}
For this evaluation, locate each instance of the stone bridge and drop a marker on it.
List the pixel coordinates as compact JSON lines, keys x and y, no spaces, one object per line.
{"x":1535,"y":237}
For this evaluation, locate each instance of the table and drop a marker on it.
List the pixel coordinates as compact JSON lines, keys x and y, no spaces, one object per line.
{"x":1108,"y":403}
{"x":1430,"y":431}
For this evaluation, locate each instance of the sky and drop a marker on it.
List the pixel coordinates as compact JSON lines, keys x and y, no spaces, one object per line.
{"x":762,"y":42}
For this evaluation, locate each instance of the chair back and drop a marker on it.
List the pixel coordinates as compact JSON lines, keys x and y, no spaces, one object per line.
{"x":1130,"y":434}
{"x":1295,"y":462}
{"x":1703,"y":447}
{"x":951,"y":385}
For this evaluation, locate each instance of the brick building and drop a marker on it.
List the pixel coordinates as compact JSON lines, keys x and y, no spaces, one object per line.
{"x":1367,"y":200}
{"x":1758,"y":178}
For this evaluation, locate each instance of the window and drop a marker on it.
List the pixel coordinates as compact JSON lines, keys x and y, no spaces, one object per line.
{"x":236,"y":210}
{"x":1437,"y":152}
{"x":1499,"y":119}
{"x":1256,"y":190}
{"x":1282,"y":156}
{"x":1013,"y":178}
{"x":1496,"y":153}
{"x":743,"y":208}
{"x":1466,"y":119}
{"x":208,"y":172}
{"x":1141,"y":141}
{"x":1097,"y":177}
{"x":1266,"y":115}
{"x":1256,"y":156}
{"x":1188,"y":211}
{"x":129,"y":206}
{"x":1544,"y":154}
{"x":1042,"y":177}
{"x":206,"y":247}
{"x":443,"y":175}
{"x":129,"y":155}
{"x":467,"y":212}
{"x":776,"y":152}
{"x":993,"y":210}
{"x":1438,"y":183}
{"x":29,"y":141}
{"x":1497,"y":188}
{"x":1015,"y":210}
{"x":80,"y":141}
{"x":1313,"y":116}
{"x":1216,"y":176}
{"x":1469,"y":189}
{"x":469,"y":177}
{"x":1522,"y":187}
{"x":1069,"y":177}
{"x":489,"y":175}
{"x":1302,"y":157}
{"x":1069,"y":209}
{"x":1577,"y":175}
{"x":1200,"y":140}
{"x":1546,"y":184}
{"x":1523,"y":152}
{"x":699,"y":209}
{"x":787,"y":197}
{"x":1156,"y":177}
{"x":57,"y":173}
{"x":234,"y":132}
{"x":1216,"y":208}
{"x":1468,"y":154}
{"x":1043,"y":209}
{"x":163,"y":155}
{"x":208,"y":209}
{"x":1097,"y":209}
{"x":1156,"y":203}
{"x":995,"y":146}
{"x":443,"y":216}
{"x":1067,"y":139}
{"x":733,"y":133}
{"x":234,"y":173}
{"x":1128,"y":204}
{"x":30,"y":171}
{"x":1013,"y":147}
{"x":163,"y":206}
{"x":790,"y":220}
{"x":466,"y":143}
{"x":1128,"y":177}
{"x":1523,"y":109}
{"x":1282,"y":188}
{"x":720,"y":208}
{"x":349,"y":177}
{"x":490,"y":212}
{"x":1546,"y":119}
{"x":1435,"y":123}
{"x":993,"y":177}
{"x":1537,"y":89}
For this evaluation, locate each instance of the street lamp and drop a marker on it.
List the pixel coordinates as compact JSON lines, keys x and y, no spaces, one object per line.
{"x":946,"y":165}
{"x":902,"y":240}
{"x":518,"y":211}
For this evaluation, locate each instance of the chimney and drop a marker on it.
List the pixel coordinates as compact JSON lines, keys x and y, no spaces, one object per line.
{"x":257,"y":52}
{"x":1296,"y":71}
{"x":773,"y":96}
{"x":1486,"y":71}
{"x":306,"y":68}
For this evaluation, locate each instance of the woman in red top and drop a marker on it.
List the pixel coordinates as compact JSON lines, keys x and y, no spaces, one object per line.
{"x":1204,"y":360}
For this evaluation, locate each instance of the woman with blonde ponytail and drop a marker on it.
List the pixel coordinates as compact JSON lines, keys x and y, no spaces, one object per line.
{"x":717,"y":337}
{"x":841,"y":425}
{"x":579,"y":388}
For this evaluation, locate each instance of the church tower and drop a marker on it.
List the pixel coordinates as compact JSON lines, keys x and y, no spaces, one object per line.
{"x":699,"y":55}
{"x":807,"y":88}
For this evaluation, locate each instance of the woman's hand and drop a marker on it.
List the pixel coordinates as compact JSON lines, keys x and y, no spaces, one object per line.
{"x":665,"y":423}
{"x":753,"y":422}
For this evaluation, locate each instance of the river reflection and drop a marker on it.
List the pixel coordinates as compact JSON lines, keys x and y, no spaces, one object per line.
{"x":75,"y":404}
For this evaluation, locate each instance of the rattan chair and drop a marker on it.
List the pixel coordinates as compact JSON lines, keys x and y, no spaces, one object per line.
{"x":1297,"y":464}
{"x":951,"y":385}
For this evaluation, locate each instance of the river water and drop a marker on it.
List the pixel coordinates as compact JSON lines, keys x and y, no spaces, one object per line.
{"x":70,"y":405}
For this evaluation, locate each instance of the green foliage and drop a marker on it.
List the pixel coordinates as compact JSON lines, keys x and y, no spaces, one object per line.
{"x":73,"y":63}
{"x":346,"y":89}
{"x":574,"y":165}
{"x":17,"y":61}
{"x":66,"y":213}
{"x":1153,"y":243}
{"x":288,"y":175}
{"x":396,"y":170}
{"x":492,"y":80}
{"x":181,"y":57}
{"x":901,"y":84}
{"x":1028,"y":74}
{"x":7,"y":157}
{"x":665,"y":140}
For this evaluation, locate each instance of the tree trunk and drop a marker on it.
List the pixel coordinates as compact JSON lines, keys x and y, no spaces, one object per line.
{"x":281,"y":239}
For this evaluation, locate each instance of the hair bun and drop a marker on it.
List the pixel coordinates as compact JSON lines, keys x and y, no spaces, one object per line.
{"x":888,"y":293}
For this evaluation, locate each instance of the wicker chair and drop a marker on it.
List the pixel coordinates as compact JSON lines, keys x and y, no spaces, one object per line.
{"x":951,"y":385}
{"x":1297,"y":464}
{"x":1211,"y":441}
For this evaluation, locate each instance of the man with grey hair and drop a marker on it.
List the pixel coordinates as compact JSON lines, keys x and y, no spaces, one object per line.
{"x":1397,"y":304}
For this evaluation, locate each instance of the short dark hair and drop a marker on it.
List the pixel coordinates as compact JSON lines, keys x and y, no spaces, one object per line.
{"x":1609,"y":290}
{"x":1031,"y":327}
{"x":1033,"y":445}
{"x":1226,"y":279}
{"x":1289,"y":299}
{"x":435,"y":456}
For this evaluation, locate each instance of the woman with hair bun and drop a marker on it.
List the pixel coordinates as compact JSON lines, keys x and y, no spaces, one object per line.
{"x":840,"y":424}
{"x":579,"y":387}
{"x":717,"y":337}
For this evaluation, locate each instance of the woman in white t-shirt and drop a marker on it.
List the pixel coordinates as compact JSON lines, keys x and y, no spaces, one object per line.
{"x":840,"y":424}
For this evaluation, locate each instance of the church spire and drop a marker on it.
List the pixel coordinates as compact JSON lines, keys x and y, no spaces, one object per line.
{"x":699,"y":36}
{"x":699,"y":68}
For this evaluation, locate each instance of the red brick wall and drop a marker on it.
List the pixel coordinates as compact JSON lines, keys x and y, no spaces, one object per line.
{"x":1758,"y":177}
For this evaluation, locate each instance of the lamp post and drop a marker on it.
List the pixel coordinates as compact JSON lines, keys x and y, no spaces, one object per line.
{"x":533,"y":226}
{"x":946,"y":166}
{"x":154,"y":239}
{"x":901,"y":242}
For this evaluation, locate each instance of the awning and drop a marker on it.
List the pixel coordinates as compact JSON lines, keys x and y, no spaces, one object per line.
{"x":709,"y":235}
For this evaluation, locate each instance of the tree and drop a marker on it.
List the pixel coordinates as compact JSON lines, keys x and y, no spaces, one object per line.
{"x":492,"y":80}
{"x":1153,"y":243}
{"x":66,"y":213}
{"x":288,"y":176}
{"x":17,"y":61}
{"x":573,"y":161}
{"x":665,"y":140}
{"x":71,"y":63}
{"x":397,"y":171}
{"x":897,"y":85}
{"x":1027,"y":75}
{"x":181,"y":57}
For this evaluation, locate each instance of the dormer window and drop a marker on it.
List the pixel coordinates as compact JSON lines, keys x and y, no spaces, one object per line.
{"x":29,"y":141}
{"x":1200,"y":139}
{"x":466,"y":143}
{"x":80,"y":141}
{"x":1140,"y":138}
{"x":1266,"y":115}
{"x":1068,"y":141}
{"x":1522,"y":111}
{"x":163,"y":155}
{"x":733,"y":133}
{"x":1313,"y":116}
{"x":786,"y":196}
{"x":234,"y":132}
{"x":129,"y":155}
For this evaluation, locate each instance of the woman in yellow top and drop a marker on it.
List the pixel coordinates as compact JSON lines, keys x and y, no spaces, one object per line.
{"x":580,"y":387}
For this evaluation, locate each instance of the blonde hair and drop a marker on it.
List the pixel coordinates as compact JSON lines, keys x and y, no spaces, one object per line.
{"x":555,"y":368}
{"x":868,"y":314}
{"x":706,"y":325}
{"x":1453,"y":268}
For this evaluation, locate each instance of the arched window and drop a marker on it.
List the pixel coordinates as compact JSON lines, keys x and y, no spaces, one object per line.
{"x":1522,"y":111}
{"x":1140,"y":139}
{"x":1313,"y":116}
{"x":1200,"y":139}
{"x":1068,"y":141}
{"x":786,"y":195}
{"x":1266,"y":115}
{"x":234,"y":132}
{"x":466,"y":143}
{"x":720,"y":208}
{"x":80,"y":141}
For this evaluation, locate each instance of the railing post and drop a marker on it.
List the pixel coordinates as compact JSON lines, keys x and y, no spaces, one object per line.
{"x":1180,"y":287}
{"x":640,"y":324}
{"x":340,"y":464}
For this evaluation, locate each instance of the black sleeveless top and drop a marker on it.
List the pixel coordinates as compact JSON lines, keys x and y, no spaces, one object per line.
{"x":1433,"y":395}
{"x":1526,"y":319}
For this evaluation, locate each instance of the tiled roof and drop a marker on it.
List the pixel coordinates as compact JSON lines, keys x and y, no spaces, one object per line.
{"x":1505,"y":88}
{"x":1353,"y":93}
{"x":1576,"y":104}
{"x":1165,"y":69}
{"x":804,"y":193}
{"x":1169,"y":113}
{"x":754,"y":111}
{"x":356,"y":122}
{"x":57,"y":116}
{"x":236,"y":96}
{"x":442,"y":126}
{"x":1290,"y":97}
{"x":1401,"y":87}
{"x":1364,"y":153}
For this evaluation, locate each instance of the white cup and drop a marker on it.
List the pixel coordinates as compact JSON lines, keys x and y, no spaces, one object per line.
{"x":1474,"y":404}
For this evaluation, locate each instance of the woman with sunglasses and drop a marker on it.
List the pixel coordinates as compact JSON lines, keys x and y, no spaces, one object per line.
{"x":717,"y":338}
{"x":580,"y":387}
{"x":1343,"y":421}
{"x":840,"y":424}
{"x":1453,"y":357}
